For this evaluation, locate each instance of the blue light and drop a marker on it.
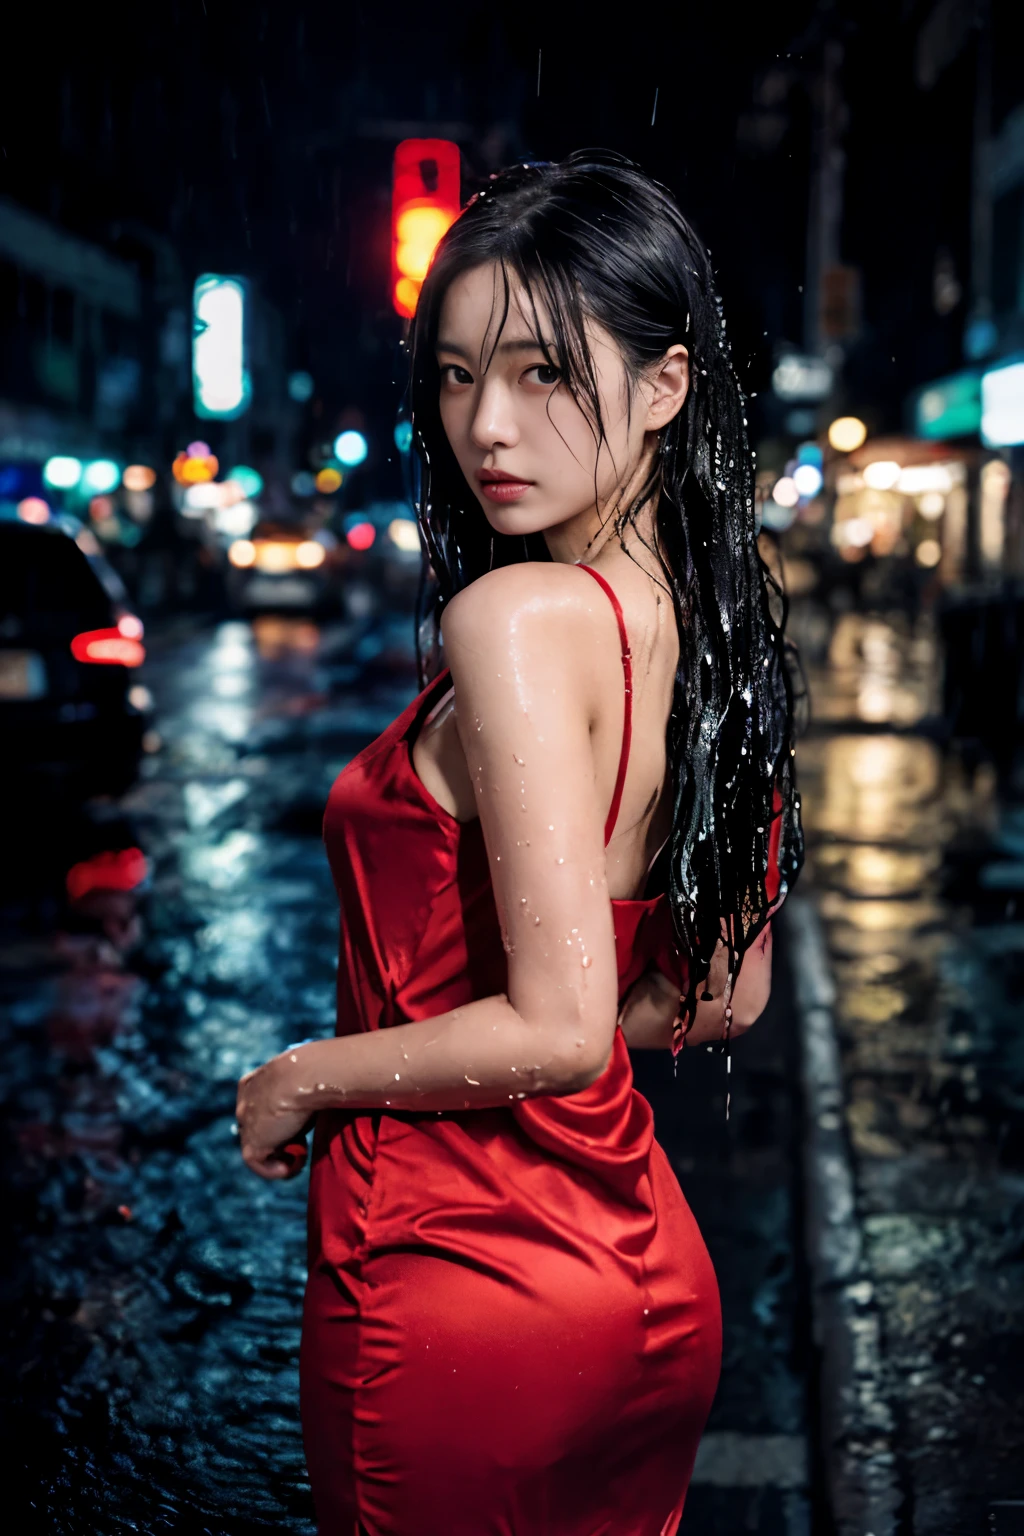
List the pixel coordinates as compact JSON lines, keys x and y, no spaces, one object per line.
{"x":809,"y":453}
{"x":249,"y":480}
{"x":403,"y":436}
{"x":300,"y":386}
{"x":351,"y":448}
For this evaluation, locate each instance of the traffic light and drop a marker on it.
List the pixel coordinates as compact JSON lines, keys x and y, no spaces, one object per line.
{"x":424,"y":203}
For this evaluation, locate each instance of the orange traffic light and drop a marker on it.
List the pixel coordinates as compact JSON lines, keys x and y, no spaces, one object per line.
{"x":424,"y":203}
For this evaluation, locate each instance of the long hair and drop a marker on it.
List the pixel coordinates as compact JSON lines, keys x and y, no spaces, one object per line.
{"x":593,"y":237}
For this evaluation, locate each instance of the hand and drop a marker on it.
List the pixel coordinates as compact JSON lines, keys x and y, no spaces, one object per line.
{"x":271,"y":1131}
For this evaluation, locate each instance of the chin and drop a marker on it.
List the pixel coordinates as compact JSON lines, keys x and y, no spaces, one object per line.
{"x":519,"y":521}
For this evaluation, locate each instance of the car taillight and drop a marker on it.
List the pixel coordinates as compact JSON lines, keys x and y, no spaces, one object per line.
{"x":108,"y":647}
{"x":120,"y":870}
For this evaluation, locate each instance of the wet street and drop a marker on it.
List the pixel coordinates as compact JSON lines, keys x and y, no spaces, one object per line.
{"x":916,"y":861}
{"x":151,"y":1293}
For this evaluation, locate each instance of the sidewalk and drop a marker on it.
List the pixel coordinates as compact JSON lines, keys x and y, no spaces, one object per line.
{"x":909,"y":961}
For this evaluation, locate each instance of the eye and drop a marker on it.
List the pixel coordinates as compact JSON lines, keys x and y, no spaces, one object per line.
{"x":453,"y":373}
{"x":544,"y":374}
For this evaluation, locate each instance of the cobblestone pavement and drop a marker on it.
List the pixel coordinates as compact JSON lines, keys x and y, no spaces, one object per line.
{"x":151,"y":1298}
{"x":917,"y":865}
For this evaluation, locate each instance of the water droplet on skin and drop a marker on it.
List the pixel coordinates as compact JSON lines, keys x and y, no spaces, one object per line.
{"x":551,"y":829}
{"x":520,"y":1095}
{"x":522,"y":899}
{"x":320,"y":1087}
{"x":586,"y":962}
{"x":472,"y":1081}
{"x":580,"y":1044}
{"x":536,"y":922}
{"x":293,"y":1057}
{"x":521,"y":761}
{"x":559,"y":861}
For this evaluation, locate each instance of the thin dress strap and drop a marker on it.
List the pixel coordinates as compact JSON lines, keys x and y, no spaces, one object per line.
{"x":627,"y":708}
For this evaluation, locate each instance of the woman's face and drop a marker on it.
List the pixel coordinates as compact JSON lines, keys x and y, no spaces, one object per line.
{"x":526,"y":448}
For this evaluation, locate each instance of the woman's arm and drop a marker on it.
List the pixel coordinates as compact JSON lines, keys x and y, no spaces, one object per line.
{"x":650,"y":1010}
{"x":528,"y":663}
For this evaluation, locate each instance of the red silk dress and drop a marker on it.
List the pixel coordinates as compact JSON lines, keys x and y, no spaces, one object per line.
{"x":512,"y":1324}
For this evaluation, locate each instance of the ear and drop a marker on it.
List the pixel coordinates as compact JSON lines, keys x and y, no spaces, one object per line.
{"x":669,"y":384}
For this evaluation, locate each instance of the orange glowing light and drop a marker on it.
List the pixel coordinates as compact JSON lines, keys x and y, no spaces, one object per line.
{"x":189,"y":469}
{"x":328,"y":481}
{"x":108,"y":647}
{"x":138,"y":477}
{"x":425,"y":200}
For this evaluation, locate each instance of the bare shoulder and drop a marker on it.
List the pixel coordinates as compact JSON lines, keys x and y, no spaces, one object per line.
{"x":532,"y":602}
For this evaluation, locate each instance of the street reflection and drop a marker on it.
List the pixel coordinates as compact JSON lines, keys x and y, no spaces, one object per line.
{"x":916,"y":862}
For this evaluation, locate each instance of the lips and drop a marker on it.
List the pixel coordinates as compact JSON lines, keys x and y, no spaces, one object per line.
{"x":499,"y":485}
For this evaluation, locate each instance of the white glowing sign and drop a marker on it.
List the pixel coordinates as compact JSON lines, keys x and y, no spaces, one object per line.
{"x":220,"y":378}
{"x":1002,"y":406}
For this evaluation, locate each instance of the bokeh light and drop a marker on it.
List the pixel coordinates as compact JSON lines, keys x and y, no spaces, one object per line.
{"x":351,"y":448}
{"x":361,"y":535}
{"x":807,"y":479}
{"x":101,"y":476}
{"x":62,"y":473}
{"x":786,"y":492}
{"x":310,"y":554}
{"x":249,"y":481}
{"x":33,"y":509}
{"x":328,"y":481}
{"x":138,"y":477}
{"x":882,"y":475}
{"x":242,"y":553}
{"x":847,"y":433}
{"x":404,"y":534}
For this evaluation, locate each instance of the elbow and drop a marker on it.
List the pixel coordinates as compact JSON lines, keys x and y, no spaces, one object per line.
{"x":566,"y":1056}
{"x":581,"y":1066}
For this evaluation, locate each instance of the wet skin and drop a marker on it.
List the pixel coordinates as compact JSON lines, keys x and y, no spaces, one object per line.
{"x":530,"y":743}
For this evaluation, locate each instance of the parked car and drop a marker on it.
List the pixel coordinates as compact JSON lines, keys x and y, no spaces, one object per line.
{"x":72,"y":712}
{"x":281,"y":566}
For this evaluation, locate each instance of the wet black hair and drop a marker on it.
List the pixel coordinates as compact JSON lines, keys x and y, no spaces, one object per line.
{"x":592,"y":236}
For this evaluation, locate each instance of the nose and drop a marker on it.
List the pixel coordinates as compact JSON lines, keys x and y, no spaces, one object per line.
{"x":494,"y":424}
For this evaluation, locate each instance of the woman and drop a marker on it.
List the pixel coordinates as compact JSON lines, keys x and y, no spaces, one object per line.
{"x":511,"y":1322}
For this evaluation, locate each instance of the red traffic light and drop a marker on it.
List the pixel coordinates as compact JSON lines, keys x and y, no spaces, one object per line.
{"x":425,"y":201}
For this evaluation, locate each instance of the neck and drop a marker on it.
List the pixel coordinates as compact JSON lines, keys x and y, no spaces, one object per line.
{"x":582,"y":538}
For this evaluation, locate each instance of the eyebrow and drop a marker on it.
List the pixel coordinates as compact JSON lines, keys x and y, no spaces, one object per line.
{"x":531,"y":345}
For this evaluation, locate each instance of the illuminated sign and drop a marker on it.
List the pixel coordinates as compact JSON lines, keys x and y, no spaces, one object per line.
{"x":221,"y":386}
{"x":1002,"y":405}
{"x":949,"y":407}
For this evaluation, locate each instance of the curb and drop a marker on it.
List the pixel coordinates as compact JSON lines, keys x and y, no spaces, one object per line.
{"x":856,"y":1424}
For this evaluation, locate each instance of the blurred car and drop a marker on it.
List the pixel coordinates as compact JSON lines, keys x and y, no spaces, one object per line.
{"x":72,"y":711}
{"x":386,"y":545}
{"x":279,"y":565}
